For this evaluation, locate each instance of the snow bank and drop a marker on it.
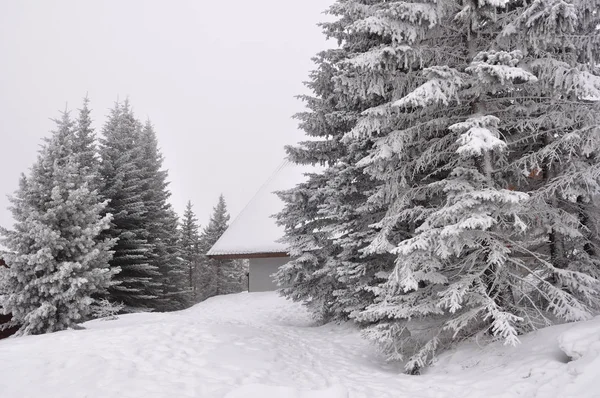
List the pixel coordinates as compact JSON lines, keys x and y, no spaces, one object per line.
{"x":259,"y":345}
{"x":582,"y":342}
{"x":582,"y":345}
{"x":264,"y":391}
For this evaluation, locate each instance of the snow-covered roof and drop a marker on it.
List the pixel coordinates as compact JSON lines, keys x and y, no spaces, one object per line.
{"x":254,"y":231}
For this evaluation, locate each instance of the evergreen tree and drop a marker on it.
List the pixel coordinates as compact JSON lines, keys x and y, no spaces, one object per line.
{"x":190,"y":249}
{"x":176,"y":293}
{"x":161,"y":224}
{"x":124,"y":186}
{"x":327,"y":218}
{"x":217,"y":276}
{"x":57,"y":262}
{"x":85,"y":142}
{"x":469,"y":131}
{"x":476,"y":259}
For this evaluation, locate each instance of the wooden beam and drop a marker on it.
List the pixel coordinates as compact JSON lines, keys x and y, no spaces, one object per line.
{"x":247,"y":255}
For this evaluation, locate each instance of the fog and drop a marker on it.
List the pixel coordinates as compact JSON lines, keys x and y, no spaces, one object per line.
{"x":217,"y":79}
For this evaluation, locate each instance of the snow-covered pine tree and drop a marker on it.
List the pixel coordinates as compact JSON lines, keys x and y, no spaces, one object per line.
{"x":505,"y":93}
{"x":175,"y":293}
{"x":190,"y":249}
{"x":308,"y":277}
{"x":217,"y":276}
{"x":559,"y":43}
{"x":124,"y":186}
{"x":57,"y":262}
{"x":160,"y":224}
{"x":85,"y":144}
{"x":327,"y":218}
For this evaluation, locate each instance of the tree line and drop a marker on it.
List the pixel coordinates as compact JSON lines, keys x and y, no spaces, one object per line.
{"x":95,"y":233}
{"x":460,"y":195}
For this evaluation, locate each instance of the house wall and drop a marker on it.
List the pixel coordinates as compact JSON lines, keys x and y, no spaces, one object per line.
{"x":261,"y":269}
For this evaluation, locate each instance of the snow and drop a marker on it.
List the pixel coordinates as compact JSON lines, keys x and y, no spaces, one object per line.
{"x":261,"y":390}
{"x":443,"y":87}
{"x":504,"y":74}
{"x":254,"y":230}
{"x":582,"y":345}
{"x":478,"y":140}
{"x":259,"y":345}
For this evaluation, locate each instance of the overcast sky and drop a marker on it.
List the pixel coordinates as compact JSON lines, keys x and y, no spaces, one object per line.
{"x":217,"y":79}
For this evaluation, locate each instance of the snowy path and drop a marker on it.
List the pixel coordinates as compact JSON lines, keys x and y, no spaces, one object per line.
{"x":259,"y":345}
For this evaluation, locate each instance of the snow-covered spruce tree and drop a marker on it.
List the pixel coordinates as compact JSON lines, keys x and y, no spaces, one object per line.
{"x":308,"y":276}
{"x":124,"y":186}
{"x":85,"y":144}
{"x":190,"y":249}
{"x":559,"y":42}
{"x":57,"y":262}
{"x":327,"y":218}
{"x":217,"y":276}
{"x":175,"y":293}
{"x":160,"y":224}
{"x":504,"y":94}
{"x":86,"y":152}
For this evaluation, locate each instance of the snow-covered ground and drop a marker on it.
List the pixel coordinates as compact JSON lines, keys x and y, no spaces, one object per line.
{"x":259,"y":345}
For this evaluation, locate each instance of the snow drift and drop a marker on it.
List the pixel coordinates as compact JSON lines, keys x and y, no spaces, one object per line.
{"x":259,"y":345}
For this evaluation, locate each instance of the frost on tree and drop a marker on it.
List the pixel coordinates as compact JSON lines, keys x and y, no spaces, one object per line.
{"x":327,"y":218}
{"x":123,"y":184}
{"x":469,"y":131}
{"x":190,"y":250}
{"x":217,"y":276}
{"x":58,"y":263}
{"x":160,"y":224}
{"x":144,"y":224}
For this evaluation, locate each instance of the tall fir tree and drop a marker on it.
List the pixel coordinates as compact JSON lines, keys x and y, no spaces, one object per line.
{"x":327,"y":218}
{"x":57,"y":260}
{"x":476,"y":259}
{"x":124,"y":185}
{"x":474,"y":126}
{"x":190,"y":249}
{"x":85,"y":143}
{"x":161,"y":223}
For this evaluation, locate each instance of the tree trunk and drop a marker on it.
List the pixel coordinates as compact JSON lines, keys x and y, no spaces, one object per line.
{"x":584,"y":219}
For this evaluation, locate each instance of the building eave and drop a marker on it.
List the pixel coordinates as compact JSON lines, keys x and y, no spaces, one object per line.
{"x":237,"y":256}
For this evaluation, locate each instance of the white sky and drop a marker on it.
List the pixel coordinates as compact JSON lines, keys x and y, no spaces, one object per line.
{"x":217,"y":79}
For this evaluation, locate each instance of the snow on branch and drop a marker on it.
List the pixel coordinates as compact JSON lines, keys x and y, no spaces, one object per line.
{"x":402,"y":21}
{"x":481,"y":135}
{"x":478,"y":140}
{"x":378,"y":57}
{"x":500,"y":67}
{"x":417,"y":13}
{"x":562,"y":77}
{"x":503,"y":324}
{"x":493,"y":3}
{"x":398,"y":30}
{"x":548,"y":18}
{"x":443,"y":87}
{"x":365,"y":127}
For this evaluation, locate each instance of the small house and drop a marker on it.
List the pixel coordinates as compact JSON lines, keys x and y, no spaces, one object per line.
{"x":254,"y":234}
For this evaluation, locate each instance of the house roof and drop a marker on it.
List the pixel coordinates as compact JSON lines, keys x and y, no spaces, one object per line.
{"x":254,"y":233}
